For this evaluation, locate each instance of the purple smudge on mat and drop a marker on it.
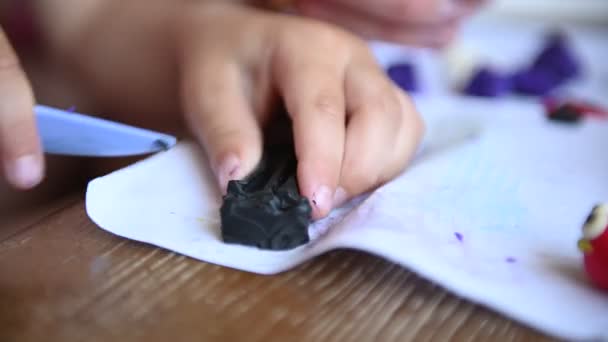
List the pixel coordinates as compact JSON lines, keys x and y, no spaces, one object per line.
{"x":458,"y":236}
{"x":510,"y":260}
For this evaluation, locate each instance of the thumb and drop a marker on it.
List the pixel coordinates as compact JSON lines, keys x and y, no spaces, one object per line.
{"x":20,"y":150}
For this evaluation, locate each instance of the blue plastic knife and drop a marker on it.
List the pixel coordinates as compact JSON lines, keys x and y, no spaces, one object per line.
{"x":65,"y":132}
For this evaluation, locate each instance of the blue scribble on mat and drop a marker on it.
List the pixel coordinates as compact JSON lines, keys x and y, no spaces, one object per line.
{"x":477,"y":191}
{"x":459,"y":236}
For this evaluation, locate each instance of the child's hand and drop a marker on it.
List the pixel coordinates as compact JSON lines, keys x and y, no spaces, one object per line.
{"x":228,"y":65}
{"x":353,"y":128}
{"x":431,"y":23}
{"x":20,"y":151}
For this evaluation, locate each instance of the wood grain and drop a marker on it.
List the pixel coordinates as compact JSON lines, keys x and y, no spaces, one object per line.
{"x":63,"y":279}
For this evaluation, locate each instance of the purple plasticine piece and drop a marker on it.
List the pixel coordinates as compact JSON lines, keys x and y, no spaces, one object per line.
{"x":404,"y":75}
{"x":535,"y":82}
{"x":558,"y":57}
{"x":555,"y":65}
{"x":488,"y":83}
{"x":510,"y":260}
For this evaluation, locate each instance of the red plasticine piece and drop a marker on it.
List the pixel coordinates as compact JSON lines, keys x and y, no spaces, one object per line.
{"x":597,"y":271}
{"x":585,"y":109}
{"x":591,"y":110}
{"x":594,"y":245}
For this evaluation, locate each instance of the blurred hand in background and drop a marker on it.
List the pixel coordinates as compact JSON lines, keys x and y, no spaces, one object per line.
{"x":428,"y":23}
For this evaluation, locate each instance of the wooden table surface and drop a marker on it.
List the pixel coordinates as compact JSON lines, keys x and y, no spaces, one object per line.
{"x":64,"y":279}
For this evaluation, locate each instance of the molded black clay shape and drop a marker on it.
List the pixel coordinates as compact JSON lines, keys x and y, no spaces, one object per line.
{"x":566,"y":114}
{"x":266,"y":209}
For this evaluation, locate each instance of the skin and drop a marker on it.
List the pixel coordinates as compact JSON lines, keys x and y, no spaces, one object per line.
{"x":19,"y":143}
{"x":155,"y":66}
{"x":430,"y":23}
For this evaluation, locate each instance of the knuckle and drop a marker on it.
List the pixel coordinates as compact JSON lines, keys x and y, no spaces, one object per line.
{"x":411,"y":116}
{"x":385,"y":106}
{"x":390,"y":107}
{"x":334,"y":40}
{"x":326,"y":35}
{"x":328,"y":106}
{"x":358,"y":179}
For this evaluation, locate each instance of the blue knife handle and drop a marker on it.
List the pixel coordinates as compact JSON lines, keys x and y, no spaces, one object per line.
{"x":65,"y":132}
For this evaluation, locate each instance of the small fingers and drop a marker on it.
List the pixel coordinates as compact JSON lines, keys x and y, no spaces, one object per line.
{"x":220,"y":116}
{"x":312,"y":87}
{"x":409,"y":137}
{"x":20,"y":147}
{"x":383,"y":132}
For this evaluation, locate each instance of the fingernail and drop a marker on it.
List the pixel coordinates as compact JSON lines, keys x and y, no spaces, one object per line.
{"x":340,"y":197}
{"x":25,"y":172}
{"x":227,"y":170}
{"x":322,"y":200}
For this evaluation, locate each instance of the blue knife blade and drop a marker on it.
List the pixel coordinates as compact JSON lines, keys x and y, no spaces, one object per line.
{"x":68,"y":133}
